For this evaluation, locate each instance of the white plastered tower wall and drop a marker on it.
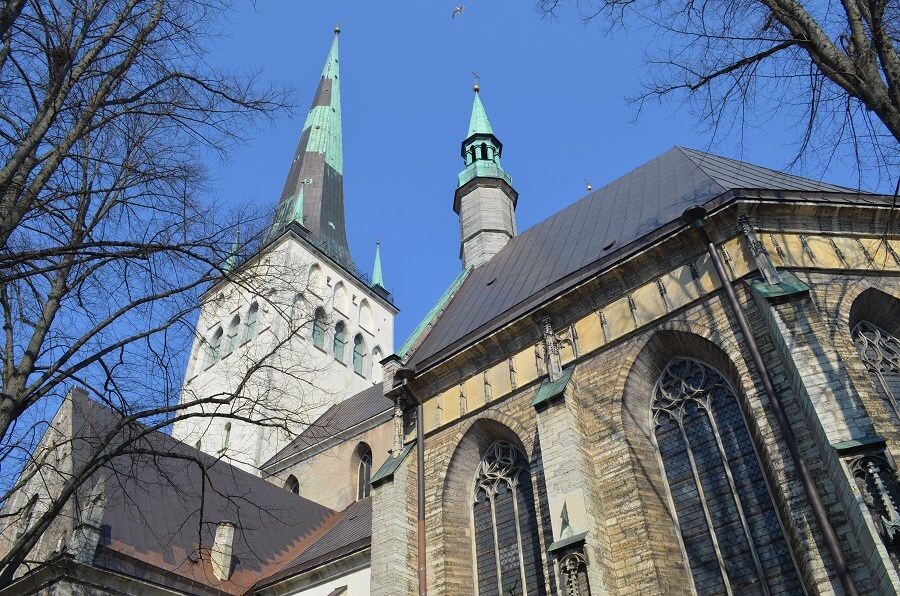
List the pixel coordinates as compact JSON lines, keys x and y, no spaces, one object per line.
{"x":255,"y":392}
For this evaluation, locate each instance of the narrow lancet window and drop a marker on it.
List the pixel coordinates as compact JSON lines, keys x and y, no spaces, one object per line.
{"x":340,"y":341}
{"x":214,"y":348}
{"x":359,"y":355}
{"x":318,"y":330}
{"x":731,"y":534}
{"x":364,"y":475}
{"x":233,"y":329}
{"x":252,"y":320}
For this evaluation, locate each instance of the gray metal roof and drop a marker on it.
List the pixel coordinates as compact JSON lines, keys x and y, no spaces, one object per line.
{"x":338,"y":418}
{"x":594,"y":230}
{"x":350,"y":533}
{"x":163,"y":505}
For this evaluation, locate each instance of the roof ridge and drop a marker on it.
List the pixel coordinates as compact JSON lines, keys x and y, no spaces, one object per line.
{"x":699,"y":158}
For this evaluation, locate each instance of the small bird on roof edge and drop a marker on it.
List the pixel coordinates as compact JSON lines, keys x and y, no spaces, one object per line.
{"x":458,"y":10}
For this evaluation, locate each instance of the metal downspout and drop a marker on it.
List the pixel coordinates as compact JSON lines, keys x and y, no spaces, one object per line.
{"x":405,"y":376}
{"x":694,"y":216}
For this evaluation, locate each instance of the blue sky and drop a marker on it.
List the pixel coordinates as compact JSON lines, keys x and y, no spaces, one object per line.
{"x":556,"y":93}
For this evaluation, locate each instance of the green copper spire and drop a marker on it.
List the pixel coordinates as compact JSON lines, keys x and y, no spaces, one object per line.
{"x":377,"y":279}
{"x":481,"y":150}
{"x":313,"y":193}
{"x":479,"y":123}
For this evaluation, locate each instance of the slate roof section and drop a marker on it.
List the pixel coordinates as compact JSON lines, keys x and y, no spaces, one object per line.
{"x":340,"y":417}
{"x":595,"y":232}
{"x":159,"y":514}
{"x":352,"y":532}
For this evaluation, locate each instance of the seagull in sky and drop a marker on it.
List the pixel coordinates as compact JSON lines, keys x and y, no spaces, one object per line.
{"x":458,"y":10}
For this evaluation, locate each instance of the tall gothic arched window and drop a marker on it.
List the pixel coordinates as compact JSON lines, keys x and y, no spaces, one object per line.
{"x":724,"y":514}
{"x":880,"y":351}
{"x":506,"y":541}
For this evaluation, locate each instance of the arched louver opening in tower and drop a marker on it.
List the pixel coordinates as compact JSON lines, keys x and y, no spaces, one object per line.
{"x":340,"y":341}
{"x":252,"y":320}
{"x":214,"y":348}
{"x":506,"y":541}
{"x":359,"y":355}
{"x":319,"y":329}
{"x":723,"y":510}
{"x":232,"y":336}
{"x":880,"y":351}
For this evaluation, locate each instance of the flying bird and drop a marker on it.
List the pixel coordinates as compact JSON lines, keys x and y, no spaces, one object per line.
{"x":458,"y":10}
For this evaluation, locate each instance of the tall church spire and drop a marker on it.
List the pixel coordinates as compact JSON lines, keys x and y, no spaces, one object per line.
{"x":485,"y":199}
{"x":313,"y":193}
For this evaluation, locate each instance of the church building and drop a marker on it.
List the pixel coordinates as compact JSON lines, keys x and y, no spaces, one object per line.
{"x":684,"y":382}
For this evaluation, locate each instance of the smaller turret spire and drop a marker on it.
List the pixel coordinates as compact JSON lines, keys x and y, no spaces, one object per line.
{"x":479,"y":123}
{"x":377,"y":279}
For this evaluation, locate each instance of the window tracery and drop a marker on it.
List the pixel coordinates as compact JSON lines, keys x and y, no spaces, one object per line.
{"x":880,"y":351}
{"x":731,"y":535}
{"x":506,"y":542}
{"x":573,"y":569}
{"x":877,"y":482}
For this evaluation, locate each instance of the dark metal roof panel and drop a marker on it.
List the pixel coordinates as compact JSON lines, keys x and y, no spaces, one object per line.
{"x":338,"y":418}
{"x":621,"y":213}
{"x":164,"y":502}
{"x":352,"y":532}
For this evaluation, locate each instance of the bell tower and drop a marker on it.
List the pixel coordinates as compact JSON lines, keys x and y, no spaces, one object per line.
{"x":294,"y":328}
{"x":485,"y":199}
